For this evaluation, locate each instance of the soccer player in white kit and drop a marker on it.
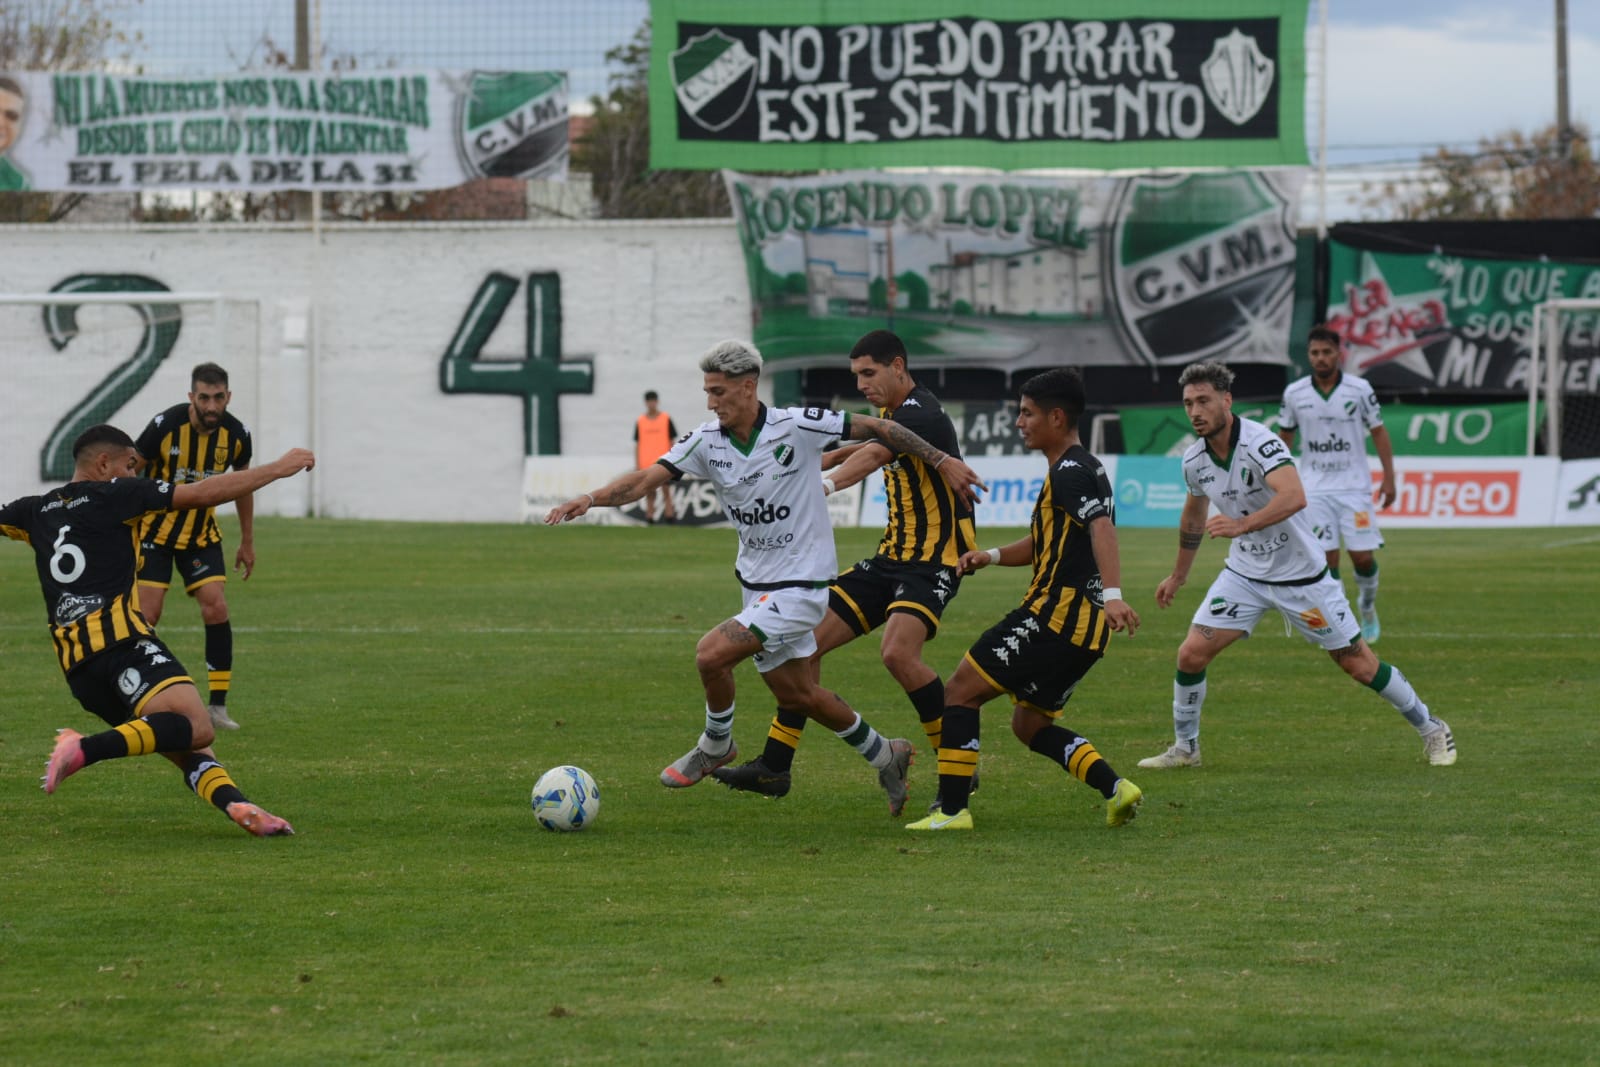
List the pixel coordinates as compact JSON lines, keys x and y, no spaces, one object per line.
{"x":1334,"y":414}
{"x":766,"y":465}
{"x":1274,"y":562}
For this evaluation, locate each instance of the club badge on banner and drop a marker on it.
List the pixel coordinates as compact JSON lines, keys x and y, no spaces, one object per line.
{"x":261,"y":132}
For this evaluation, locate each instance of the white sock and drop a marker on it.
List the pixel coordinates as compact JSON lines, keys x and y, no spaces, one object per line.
{"x":1398,"y":692}
{"x":1187,"y":700}
{"x":864,"y":739}
{"x":1367,"y":590}
{"x":719,"y":731}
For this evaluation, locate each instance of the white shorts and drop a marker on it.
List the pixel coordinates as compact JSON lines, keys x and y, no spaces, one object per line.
{"x":1346,"y":516}
{"x":784,"y":620}
{"x":1319,"y":611}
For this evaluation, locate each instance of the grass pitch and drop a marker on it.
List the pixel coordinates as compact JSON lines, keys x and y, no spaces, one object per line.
{"x":1314,"y":894}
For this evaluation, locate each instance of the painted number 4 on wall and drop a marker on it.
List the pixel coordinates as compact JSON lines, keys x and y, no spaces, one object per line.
{"x":540,"y":378}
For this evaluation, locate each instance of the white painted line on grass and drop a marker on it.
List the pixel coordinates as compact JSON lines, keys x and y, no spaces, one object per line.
{"x":1574,"y":541}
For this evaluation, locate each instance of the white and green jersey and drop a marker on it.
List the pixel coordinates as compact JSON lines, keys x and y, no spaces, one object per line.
{"x":771,"y":489}
{"x":1333,"y":428}
{"x":1285,"y":552}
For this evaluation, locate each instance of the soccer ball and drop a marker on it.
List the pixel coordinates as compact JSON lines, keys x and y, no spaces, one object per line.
{"x":565,"y":798}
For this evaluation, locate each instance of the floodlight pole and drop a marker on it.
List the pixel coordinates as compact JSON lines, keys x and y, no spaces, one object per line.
{"x":1563,"y":116}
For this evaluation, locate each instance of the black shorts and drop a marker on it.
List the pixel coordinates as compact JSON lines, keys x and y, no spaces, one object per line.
{"x":116,"y":684}
{"x":868,"y":593}
{"x":196,"y":566}
{"x":1037,"y":666}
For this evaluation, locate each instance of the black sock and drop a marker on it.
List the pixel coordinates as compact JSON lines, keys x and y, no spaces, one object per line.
{"x":161,"y":731}
{"x":219,"y":660}
{"x":209,"y":781}
{"x":1077,"y":757}
{"x":783,"y":737}
{"x":958,"y":758}
{"x":929,"y":702}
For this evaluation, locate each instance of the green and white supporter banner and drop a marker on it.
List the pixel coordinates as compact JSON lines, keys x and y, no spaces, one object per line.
{"x":1009,"y":84}
{"x":265,"y":132}
{"x":1435,"y":319}
{"x":1013,"y":272}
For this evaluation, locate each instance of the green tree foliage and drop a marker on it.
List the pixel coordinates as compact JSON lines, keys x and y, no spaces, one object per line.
{"x":1542,"y":175}
{"x":616,"y":150}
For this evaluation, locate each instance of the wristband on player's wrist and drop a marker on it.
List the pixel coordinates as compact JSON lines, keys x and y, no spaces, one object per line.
{"x":994,"y":555}
{"x":1112,"y":592}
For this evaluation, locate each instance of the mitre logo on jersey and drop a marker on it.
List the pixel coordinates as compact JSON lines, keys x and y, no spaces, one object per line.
{"x":1237,"y":77}
{"x":714,"y":77}
{"x":1202,"y":265}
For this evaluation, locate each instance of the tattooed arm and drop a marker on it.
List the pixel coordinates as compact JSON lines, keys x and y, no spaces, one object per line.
{"x":619,"y":491}
{"x":901,"y":441}
{"x":1191,"y":530}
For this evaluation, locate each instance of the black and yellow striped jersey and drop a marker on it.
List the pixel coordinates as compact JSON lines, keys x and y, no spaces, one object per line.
{"x":928,"y":523}
{"x":174,"y":451}
{"x":85,"y":540}
{"x":1066,"y":591}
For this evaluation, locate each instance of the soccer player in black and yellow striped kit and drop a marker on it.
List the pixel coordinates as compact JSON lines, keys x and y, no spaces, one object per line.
{"x":85,"y":543}
{"x":187,"y":443}
{"x":906,"y":586}
{"x":1042,"y":649}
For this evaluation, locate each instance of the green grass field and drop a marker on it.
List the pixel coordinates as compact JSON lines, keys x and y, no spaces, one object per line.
{"x":1315,"y":894}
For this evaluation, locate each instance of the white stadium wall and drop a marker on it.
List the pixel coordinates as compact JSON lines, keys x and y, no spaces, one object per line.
{"x":375,"y":309}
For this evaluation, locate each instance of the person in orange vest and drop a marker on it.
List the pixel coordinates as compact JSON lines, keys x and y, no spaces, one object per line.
{"x":653,"y":434}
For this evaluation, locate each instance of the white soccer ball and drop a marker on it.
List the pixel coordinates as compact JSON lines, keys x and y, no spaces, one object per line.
{"x":565,"y":798}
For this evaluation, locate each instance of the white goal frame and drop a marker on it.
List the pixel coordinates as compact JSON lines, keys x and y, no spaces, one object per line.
{"x":220,"y":306}
{"x":1546,"y":347}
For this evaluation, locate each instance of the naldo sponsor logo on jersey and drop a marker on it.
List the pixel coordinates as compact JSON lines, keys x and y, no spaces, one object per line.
{"x":1336,"y":444}
{"x":761,"y":514}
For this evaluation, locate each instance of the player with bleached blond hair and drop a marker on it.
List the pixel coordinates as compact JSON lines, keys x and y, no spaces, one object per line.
{"x":766,"y":465}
